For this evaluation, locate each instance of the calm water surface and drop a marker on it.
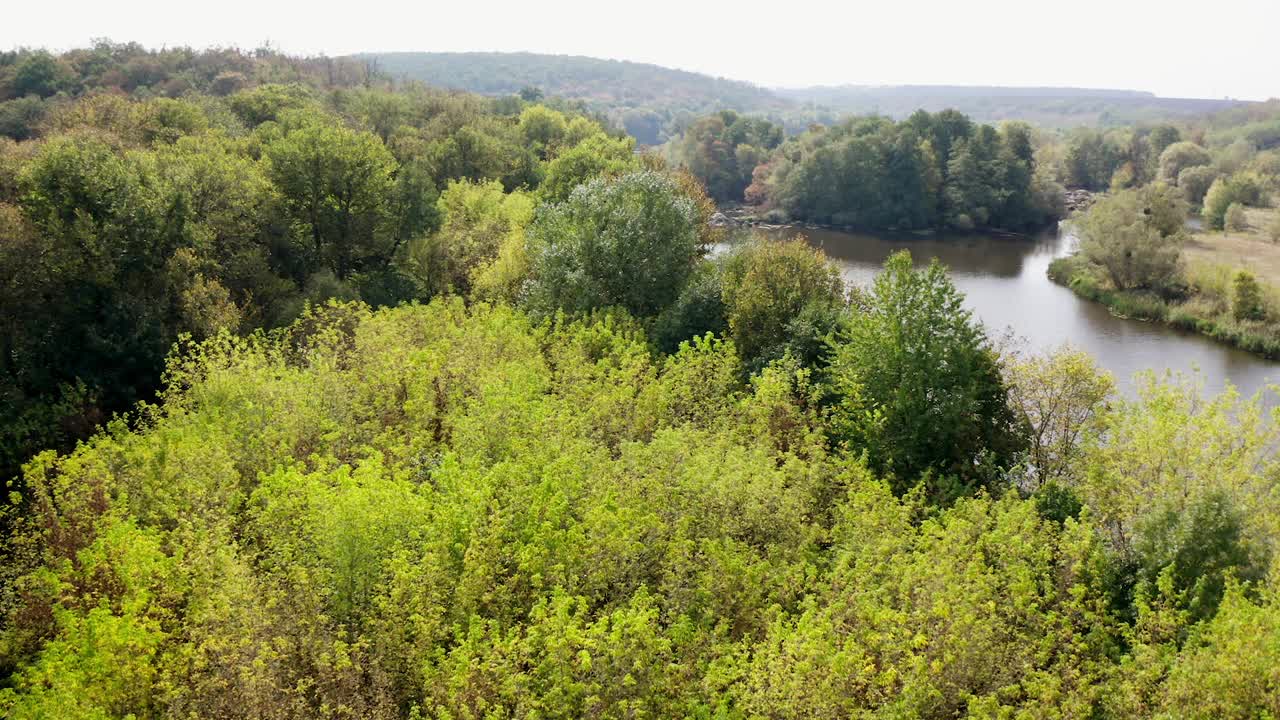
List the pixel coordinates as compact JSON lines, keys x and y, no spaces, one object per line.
{"x":1006,"y":286}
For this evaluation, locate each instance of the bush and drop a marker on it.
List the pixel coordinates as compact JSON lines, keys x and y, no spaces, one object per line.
{"x":1247,"y":301}
{"x":1180,"y":156}
{"x":1242,"y":188}
{"x":1235,"y":219}
{"x":1194,"y":182}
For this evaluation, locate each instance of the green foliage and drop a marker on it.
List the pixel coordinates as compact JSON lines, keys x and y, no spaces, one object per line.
{"x":597,"y":155}
{"x":629,"y":242}
{"x":1179,"y":156}
{"x":1241,"y":188}
{"x":40,"y":74}
{"x":921,"y":391}
{"x":1092,"y":159}
{"x":1234,"y":218}
{"x":479,"y":221}
{"x":1228,"y":669}
{"x":649,"y":101}
{"x":663,"y":503}
{"x":722,"y":151}
{"x":1187,"y":553}
{"x":1134,"y":238}
{"x":1195,"y":183}
{"x":148,"y":217}
{"x":699,"y":309}
{"x":1061,"y":400}
{"x":929,"y":171}
{"x":781,"y":298}
{"x":337,"y":184}
{"x":1247,"y":302}
{"x":434,"y":510}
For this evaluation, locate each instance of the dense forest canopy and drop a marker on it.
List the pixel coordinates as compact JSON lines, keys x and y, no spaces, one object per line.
{"x":928,"y":171}
{"x":329,"y":395}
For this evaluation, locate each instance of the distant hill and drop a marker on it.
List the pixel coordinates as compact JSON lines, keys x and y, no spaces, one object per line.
{"x":654,"y":103}
{"x":1045,"y":106}
{"x":643,"y":98}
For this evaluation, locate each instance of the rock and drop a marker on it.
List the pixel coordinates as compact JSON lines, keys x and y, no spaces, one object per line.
{"x":1078,"y":199}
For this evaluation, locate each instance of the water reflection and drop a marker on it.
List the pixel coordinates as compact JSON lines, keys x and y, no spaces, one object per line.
{"x":1005,"y":284}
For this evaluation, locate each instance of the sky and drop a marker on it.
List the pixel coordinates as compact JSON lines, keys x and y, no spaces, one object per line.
{"x":1174,"y":48}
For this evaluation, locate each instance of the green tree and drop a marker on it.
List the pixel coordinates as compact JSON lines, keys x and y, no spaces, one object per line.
{"x":479,"y":219}
{"x":1179,"y":156}
{"x":597,"y":155}
{"x":780,"y":297}
{"x":1187,"y":554}
{"x":1241,"y":188}
{"x":1247,"y":302}
{"x":1194,"y":182}
{"x":1061,"y":399}
{"x":1234,"y":219}
{"x":1134,"y":237}
{"x":921,"y":390}
{"x":543,"y":129}
{"x":41,"y":74}
{"x":337,"y":185}
{"x":630,"y":242}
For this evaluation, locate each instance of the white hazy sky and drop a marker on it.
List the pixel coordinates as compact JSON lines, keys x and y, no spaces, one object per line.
{"x":1171,"y":47}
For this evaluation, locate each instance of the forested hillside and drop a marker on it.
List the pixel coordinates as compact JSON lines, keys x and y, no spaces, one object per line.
{"x":648,"y":100}
{"x":655,"y":104}
{"x":1045,"y":107}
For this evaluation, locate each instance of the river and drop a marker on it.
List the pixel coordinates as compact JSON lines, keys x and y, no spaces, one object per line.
{"x":1006,"y":286}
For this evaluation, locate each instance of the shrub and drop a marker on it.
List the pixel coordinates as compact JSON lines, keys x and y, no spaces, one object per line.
{"x":1194,"y":182}
{"x":1247,"y":302}
{"x":1235,"y":219}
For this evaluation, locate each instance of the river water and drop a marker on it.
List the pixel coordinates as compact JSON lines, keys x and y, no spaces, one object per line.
{"x":1006,"y":286}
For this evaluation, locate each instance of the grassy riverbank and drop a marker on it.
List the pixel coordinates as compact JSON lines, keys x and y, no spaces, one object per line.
{"x":1205,"y":301}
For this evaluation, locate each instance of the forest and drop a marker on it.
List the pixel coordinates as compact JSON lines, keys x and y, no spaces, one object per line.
{"x":332,"y":395}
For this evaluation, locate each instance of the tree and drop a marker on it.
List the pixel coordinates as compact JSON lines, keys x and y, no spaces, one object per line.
{"x":630,"y":242}
{"x":543,"y":129}
{"x":1234,"y":219}
{"x":1241,"y":188}
{"x":1187,"y":554}
{"x":597,"y":155}
{"x":780,"y":297}
{"x":337,"y":185}
{"x":1090,"y":160}
{"x":1061,"y":399}
{"x":1194,"y":182}
{"x":1158,"y":140}
{"x":920,"y":388}
{"x":41,"y":74}
{"x":1247,"y":302}
{"x":1179,"y":156}
{"x":478,"y":221}
{"x":1135,"y":237}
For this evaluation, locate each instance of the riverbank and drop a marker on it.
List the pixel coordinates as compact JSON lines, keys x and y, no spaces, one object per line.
{"x":1206,"y":302}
